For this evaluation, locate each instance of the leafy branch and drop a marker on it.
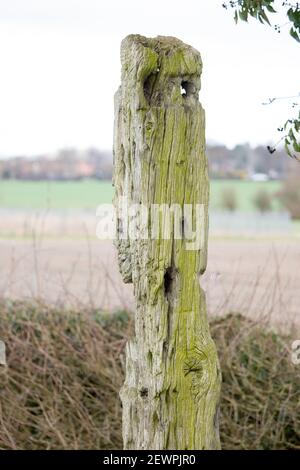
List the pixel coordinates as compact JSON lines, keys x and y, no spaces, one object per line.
{"x":261,"y":9}
{"x":291,"y":139}
{"x":291,"y":129}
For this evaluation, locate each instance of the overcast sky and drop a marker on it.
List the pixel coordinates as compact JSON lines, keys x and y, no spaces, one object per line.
{"x":60,"y":68}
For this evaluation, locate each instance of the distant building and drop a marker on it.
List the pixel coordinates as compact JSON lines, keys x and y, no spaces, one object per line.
{"x":241,"y":162}
{"x":259,"y":177}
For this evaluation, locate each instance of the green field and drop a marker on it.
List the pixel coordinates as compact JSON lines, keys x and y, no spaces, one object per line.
{"x":88,"y":194}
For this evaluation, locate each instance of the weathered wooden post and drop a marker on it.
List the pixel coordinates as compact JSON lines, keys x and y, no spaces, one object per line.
{"x":171,"y":392}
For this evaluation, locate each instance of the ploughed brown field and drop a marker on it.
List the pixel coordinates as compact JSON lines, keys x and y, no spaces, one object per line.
{"x":259,"y":278}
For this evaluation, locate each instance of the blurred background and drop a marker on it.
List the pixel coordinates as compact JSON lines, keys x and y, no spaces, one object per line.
{"x":60,"y":68}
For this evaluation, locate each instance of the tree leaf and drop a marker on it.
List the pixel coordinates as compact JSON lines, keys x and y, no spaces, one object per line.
{"x":253,"y":12}
{"x":291,"y":135}
{"x":264,"y":16}
{"x":243,"y":14}
{"x":296,"y":146}
{"x":260,"y":18}
{"x":294,"y":34}
{"x":236,"y":16}
{"x":286,"y":146}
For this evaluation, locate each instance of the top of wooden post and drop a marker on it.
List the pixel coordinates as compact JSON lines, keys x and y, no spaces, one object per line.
{"x":162,"y":70}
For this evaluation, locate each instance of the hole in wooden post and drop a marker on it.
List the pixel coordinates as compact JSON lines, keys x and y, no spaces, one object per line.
{"x":168,"y":279}
{"x":187,"y":88}
{"x":149,"y":85}
{"x":144,"y":392}
{"x":184,"y":89}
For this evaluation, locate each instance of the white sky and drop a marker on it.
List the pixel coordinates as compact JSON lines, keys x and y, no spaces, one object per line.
{"x":60,"y":68}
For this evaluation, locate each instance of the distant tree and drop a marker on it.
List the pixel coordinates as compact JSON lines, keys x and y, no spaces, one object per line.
{"x":6,"y":174}
{"x":229,"y":199}
{"x":263,"y":200}
{"x":289,"y":195}
{"x":261,"y":11}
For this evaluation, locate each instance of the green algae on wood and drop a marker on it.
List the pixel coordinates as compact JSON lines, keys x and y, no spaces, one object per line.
{"x":171,"y":392}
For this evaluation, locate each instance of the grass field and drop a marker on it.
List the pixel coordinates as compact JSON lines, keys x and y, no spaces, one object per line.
{"x":88,"y":194}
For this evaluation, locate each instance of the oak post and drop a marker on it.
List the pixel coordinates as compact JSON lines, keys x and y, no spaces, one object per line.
{"x":171,"y":392}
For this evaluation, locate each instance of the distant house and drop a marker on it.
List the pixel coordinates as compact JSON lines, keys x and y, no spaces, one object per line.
{"x":259,"y":177}
{"x":83,"y":169}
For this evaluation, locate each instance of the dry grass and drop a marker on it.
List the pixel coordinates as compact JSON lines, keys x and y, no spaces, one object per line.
{"x":260,"y":405}
{"x":60,"y":389}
